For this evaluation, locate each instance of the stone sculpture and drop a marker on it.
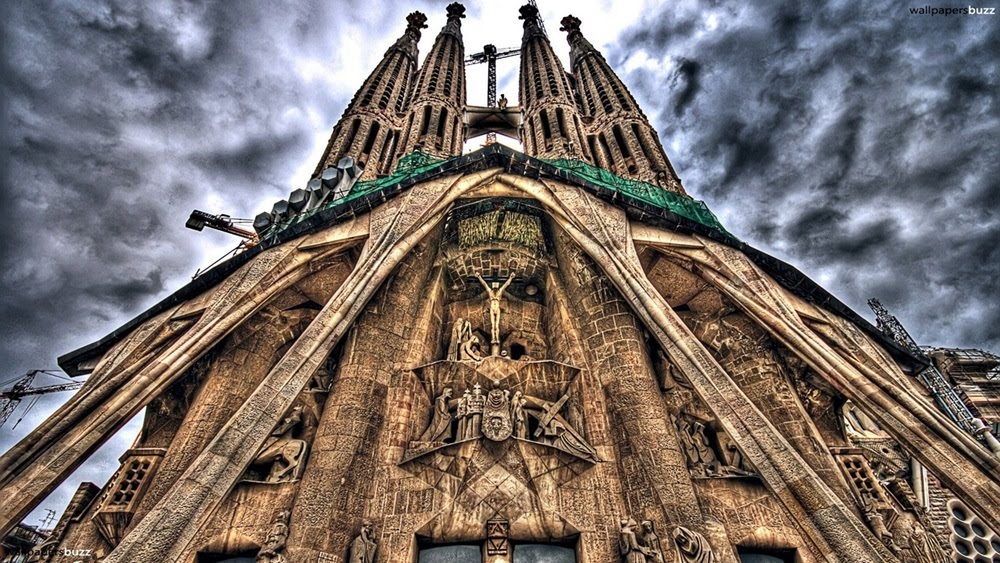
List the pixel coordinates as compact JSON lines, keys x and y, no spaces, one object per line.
{"x":439,"y":428}
{"x":497,"y":424}
{"x":631,"y":549}
{"x":494,"y":292}
{"x":651,"y":542}
{"x":518,"y":417}
{"x":692,"y":547}
{"x":282,"y":451}
{"x":363,"y":547}
{"x":273,"y":550}
{"x":874,"y":509}
{"x":464,"y":345}
{"x":923,"y":549}
{"x":703,"y":459}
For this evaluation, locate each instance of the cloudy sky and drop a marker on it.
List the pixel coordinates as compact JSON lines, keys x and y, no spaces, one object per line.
{"x":854,"y":140}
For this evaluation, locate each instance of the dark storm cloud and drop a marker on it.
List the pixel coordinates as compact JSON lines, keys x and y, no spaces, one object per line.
{"x":119,"y":119}
{"x":856,"y":141}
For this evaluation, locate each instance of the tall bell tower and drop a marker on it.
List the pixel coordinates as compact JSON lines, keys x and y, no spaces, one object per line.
{"x":503,"y":356}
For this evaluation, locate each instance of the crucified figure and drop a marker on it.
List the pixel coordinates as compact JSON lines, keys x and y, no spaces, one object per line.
{"x":495,"y":291}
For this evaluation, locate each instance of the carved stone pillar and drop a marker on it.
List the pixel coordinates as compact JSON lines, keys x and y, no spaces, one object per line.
{"x":244,"y":360}
{"x":337,"y":486}
{"x":747,"y":354}
{"x":655,"y":481}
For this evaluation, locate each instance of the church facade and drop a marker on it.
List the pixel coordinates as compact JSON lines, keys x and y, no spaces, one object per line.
{"x":508,"y":357}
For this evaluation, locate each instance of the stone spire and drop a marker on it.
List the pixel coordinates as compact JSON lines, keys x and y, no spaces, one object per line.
{"x":434,"y":120}
{"x":551,"y":126}
{"x":369,"y":130}
{"x":619,"y":136}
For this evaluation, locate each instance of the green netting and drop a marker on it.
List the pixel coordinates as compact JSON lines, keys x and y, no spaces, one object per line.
{"x":409,"y":165}
{"x":682,"y":205}
{"x":417,"y":162}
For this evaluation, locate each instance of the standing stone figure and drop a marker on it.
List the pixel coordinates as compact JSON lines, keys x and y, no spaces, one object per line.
{"x":872,"y":509}
{"x":495,"y":292}
{"x":692,"y":547}
{"x":651,"y":542}
{"x":274,"y":544}
{"x":632,"y":551}
{"x":439,"y":429}
{"x":518,"y":416}
{"x":363,"y":546}
{"x":462,"y":415}
{"x":923,"y":549}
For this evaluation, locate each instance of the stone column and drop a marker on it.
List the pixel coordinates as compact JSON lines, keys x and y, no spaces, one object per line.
{"x":336,"y":488}
{"x":747,"y":354}
{"x":655,"y":480}
{"x":245,"y":358}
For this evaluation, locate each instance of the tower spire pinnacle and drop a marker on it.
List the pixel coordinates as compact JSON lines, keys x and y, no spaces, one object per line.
{"x":434,"y":120}
{"x":619,"y":136}
{"x":369,"y":129}
{"x":551,"y":125}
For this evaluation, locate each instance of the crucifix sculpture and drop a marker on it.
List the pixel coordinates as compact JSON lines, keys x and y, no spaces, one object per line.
{"x":495,"y":291}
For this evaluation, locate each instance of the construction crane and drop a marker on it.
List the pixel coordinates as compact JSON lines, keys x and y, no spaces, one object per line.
{"x":199,"y":220}
{"x":489,"y":56}
{"x":942,"y":391}
{"x":10,"y":399}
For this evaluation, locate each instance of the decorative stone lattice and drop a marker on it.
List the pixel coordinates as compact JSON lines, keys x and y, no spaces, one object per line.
{"x":971,"y":540}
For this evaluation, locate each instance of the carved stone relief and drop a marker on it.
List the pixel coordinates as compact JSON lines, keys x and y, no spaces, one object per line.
{"x":363,"y":547}
{"x":499,"y":415}
{"x":692,"y":547}
{"x":283,"y":454}
{"x":709,"y":454}
{"x":273,"y":550}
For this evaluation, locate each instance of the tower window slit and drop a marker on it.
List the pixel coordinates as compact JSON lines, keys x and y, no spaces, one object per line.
{"x":620,"y":140}
{"x":383,"y":153}
{"x":355,"y":125}
{"x":442,"y":119}
{"x":591,"y":144}
{"x":546,"y":128}
{"x":561,"y":123}
{"x":609,"y":156}
{"x":643,"y":145}
{"x":370,"y":140}
{"x":426,"y":122}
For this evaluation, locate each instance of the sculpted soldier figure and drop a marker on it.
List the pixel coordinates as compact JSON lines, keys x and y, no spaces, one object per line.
{"x":440,"y":427}
{"x":274,"y":544}
{"x":632,"y":551}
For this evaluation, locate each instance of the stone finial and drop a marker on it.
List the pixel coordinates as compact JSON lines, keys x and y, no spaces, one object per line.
{"x":570,"y":24}
{"x":529,"y":14}
{"x":532,"y":22}
{"x":415,"y":22}
{"x":456,"y":10}
{"x":577,"y":42}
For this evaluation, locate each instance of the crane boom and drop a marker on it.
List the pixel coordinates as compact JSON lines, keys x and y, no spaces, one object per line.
{"x":489,"y":56}
{"x":10,"y":399}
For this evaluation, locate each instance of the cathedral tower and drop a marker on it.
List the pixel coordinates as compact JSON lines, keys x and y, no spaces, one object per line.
{"x":500,"y":357}
{"x":434,"y":120}
{"x":551,"y":127}
{"x":618,"y":134}
{"x":369,"y":130}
